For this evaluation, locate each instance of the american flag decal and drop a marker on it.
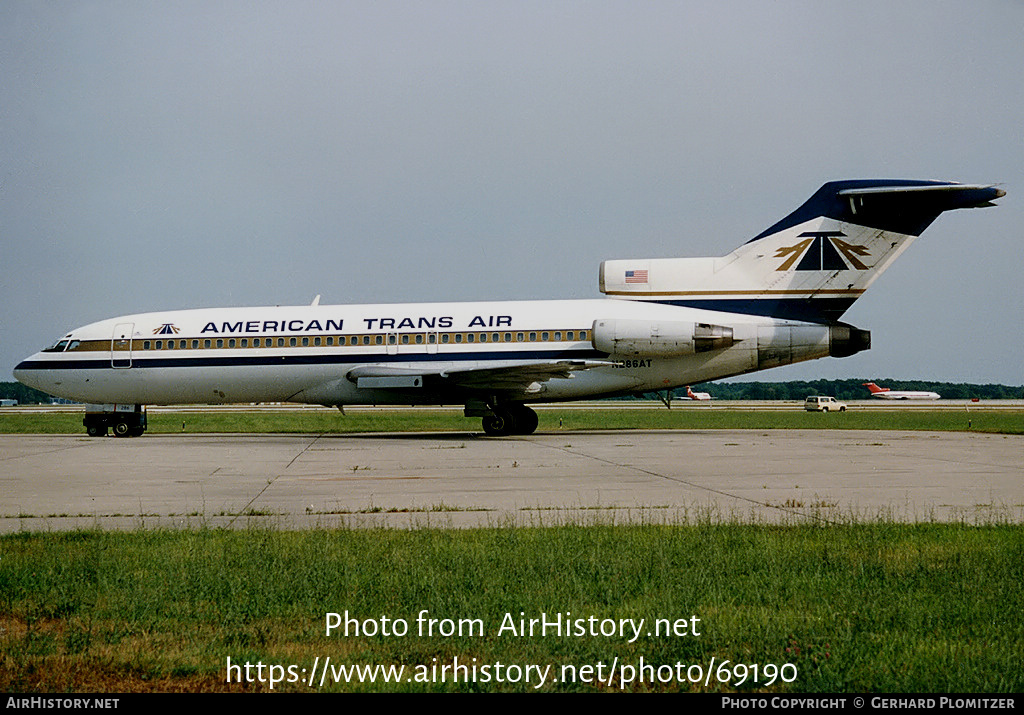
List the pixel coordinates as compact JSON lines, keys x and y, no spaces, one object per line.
{"x":636,"y":276}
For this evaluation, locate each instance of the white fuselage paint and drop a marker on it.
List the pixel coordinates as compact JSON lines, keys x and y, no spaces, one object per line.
{"x":412,"y":341}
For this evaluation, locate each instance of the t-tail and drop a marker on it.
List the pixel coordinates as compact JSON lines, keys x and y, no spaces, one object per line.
{"x":875,"y":389}
{"x":810,"y":266}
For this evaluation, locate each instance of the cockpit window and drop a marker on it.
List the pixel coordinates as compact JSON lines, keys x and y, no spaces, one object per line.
{"x":58,"y":347}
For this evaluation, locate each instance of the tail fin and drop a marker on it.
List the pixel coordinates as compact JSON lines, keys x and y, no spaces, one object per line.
{"x":873,"y":388}
{"x":811,"y":265}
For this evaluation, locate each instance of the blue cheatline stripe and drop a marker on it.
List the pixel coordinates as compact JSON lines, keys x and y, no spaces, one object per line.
{"x":289,"y":360}
{"x":808,"y":310}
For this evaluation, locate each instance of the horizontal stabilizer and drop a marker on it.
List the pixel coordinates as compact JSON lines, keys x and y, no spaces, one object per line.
{"x":897,"y":205}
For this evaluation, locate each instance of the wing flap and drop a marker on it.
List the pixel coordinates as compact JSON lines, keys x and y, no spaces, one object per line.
{"x":520,"y":375}
{"x":517,"y":375}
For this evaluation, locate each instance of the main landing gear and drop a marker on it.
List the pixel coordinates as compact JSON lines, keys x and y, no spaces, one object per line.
{"x":510,"y":419}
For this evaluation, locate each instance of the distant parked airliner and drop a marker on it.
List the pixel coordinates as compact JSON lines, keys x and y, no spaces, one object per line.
{"x":885,"y":393}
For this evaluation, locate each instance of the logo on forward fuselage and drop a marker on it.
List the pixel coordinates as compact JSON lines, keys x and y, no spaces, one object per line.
{"x":822,"y":251}
{"x":167,"y":329}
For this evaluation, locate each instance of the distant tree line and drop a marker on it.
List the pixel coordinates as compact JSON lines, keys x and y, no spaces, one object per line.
{"x":23,"y":394}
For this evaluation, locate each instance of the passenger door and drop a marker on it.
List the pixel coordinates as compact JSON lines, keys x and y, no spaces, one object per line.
{"x":121,"y":345}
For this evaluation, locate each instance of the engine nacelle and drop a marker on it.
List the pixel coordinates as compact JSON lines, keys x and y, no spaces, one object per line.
{"x":658,"y":337}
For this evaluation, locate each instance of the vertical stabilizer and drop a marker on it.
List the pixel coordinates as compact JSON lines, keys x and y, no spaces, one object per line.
{"x":811,"y":265}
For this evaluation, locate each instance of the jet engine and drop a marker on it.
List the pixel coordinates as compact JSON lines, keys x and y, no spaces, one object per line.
{"x":659,"y":337}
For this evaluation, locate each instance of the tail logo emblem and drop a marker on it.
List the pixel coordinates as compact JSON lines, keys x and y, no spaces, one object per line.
{"x":822,"y":251}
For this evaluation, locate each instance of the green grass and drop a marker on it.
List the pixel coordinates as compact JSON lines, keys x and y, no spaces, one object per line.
{"x":1001,"y":421}
{"x":883,"y":607}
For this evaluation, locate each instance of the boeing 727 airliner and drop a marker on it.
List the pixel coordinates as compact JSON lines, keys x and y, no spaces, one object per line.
{"x":663,"y":323}
{"x":885,"y":393}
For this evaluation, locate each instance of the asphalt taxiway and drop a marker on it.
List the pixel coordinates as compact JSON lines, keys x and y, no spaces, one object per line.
{"x":461,"y":479}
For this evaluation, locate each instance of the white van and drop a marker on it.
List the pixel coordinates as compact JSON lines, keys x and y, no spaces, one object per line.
{"x":824,"y":404}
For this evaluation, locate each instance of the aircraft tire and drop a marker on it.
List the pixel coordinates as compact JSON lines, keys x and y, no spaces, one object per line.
{"x":525,"y":420}
{"x":499,"y":424}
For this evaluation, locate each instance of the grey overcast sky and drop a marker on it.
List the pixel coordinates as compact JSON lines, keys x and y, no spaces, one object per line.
{"x":161,"y":155}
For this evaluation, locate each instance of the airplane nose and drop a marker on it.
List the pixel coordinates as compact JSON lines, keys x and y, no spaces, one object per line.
{"x":24,"y":375}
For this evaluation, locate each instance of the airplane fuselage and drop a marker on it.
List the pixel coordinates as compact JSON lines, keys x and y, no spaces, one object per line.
{"x":884,"y":393}
{"x":309,"y":353}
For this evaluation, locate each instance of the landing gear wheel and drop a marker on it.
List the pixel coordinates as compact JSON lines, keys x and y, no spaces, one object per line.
{"x":525,"y":420}
{"x":121,"y":429}
{"x":514,"y":419}
{"x":499,"y":424}
{"x":96,"y":431}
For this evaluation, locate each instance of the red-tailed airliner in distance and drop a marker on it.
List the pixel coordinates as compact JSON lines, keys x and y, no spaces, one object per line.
{"x":691,"y":395}
{"x":661,"y":324}
{"x":884,"y":393}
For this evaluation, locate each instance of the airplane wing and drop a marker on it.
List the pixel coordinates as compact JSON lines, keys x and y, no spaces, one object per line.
{"x":519,"y":375}
{"x":513,"y":375}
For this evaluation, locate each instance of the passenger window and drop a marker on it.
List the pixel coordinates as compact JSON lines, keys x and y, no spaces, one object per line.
{"x":458,"y":337}
{"x":558,"y":336}
{"x":519,"y":337}
{"x":159,"y":344}
{"x":292,"y":342}
{"x":533,"y":337}
{"x":570,"y":335}
{"x":220,"y":343}
{"x":470,"y":337}
{"x":206,"y":343}
{"x":305,"y":342}
{"x":483,"y":337}
{"x":419,"y":339}
{"x":508,"y":337}
{"x":195,"y":344}
{"x":231,"y":343}
{"x":145,"y":345}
